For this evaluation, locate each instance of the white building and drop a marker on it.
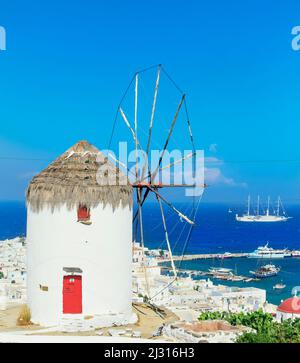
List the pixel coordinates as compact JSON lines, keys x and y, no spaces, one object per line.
{"x":12,"y":271}
{"x":16,"y":276}
{"x":138,"y":255}
{"x":159,"y":253}
{"x":235,"y":299}
{"x":145,"y":269}
{"x":79,"y":240}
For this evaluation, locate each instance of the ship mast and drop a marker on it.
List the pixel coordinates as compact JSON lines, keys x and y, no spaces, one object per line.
{"x":248,"y":212}
{"x":278,"y":206}
{"x":257,"y":212}
{"x":268,"y":209}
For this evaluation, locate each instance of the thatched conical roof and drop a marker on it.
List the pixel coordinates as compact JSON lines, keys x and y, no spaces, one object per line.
{"x":81,"y":176}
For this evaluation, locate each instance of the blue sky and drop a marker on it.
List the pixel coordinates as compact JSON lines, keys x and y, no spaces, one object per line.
{"x":68,"y":63}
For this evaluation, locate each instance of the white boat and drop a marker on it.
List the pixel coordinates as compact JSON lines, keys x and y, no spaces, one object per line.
{"x":225,"y":255}
{"x":267,"y":217}
{"x":266,"y":271}
{"x":295,"y":254}
{"x":238,"y":278}
{"x":220,"y":271}
{"x":279,"y":286}
{"x":268,"y":252}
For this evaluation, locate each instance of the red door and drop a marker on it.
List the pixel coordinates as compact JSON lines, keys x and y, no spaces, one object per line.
{"x":72,"y":295}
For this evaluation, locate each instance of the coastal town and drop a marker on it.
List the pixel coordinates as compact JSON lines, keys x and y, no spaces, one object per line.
{"x":173,"y":305}
{"x":12,"y":272}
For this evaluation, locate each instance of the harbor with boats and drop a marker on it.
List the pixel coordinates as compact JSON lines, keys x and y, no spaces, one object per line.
{"x":224,"y":274}
{"x":228,"y":274}
{"x":273,"y":269}
{"x":278,"y":286}
{"x":262,"y":252}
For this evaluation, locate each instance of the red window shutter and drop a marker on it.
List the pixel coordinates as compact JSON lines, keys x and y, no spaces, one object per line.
{"x":83,"y":213}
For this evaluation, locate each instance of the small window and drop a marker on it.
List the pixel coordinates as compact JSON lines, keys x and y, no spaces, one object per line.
{"x":44,"y":288}
{"x":83,"y":214}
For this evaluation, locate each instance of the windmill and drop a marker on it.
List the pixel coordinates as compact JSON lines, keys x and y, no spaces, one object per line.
{"x":145,"y":178}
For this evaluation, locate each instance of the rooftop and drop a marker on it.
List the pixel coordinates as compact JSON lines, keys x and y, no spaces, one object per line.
{"x":80,"y":176}
{"x":208,"y":326}
{"x":291,"y":305}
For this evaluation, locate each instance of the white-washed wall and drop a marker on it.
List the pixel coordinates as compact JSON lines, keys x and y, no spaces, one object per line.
{"x":102,"y":250}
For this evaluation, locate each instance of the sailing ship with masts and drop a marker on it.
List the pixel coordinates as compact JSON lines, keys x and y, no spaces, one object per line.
{"x":266,"y":271}
{"x":279,"y":215}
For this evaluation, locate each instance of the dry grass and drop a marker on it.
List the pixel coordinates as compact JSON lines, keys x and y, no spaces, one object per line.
{"x":24,"y":317}
{"x":73,"y":179}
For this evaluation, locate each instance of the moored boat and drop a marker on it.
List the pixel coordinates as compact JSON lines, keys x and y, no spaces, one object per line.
{"x":279,"y":286}
{"x":295,"y":253}
{"x":268,"y":252}
{"x":220,"y":271}
{"x":225,"y":255}
{"x":238,"y":278}
{"x":266,"y":271}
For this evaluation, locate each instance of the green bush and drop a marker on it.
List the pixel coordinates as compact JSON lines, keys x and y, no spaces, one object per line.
{"x":266,"y":329}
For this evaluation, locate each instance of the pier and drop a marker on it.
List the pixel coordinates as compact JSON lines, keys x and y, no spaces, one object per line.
{"x":203,"y":257}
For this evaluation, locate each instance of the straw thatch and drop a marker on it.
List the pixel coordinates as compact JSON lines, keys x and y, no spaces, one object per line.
{"x":81,"y":176}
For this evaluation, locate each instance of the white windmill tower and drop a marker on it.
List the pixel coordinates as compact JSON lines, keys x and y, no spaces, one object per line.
{"x":79,"y":233}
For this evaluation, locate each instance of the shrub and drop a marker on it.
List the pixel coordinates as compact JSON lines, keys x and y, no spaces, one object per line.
{"x":24,"y":317}
{"x":266,"y":329}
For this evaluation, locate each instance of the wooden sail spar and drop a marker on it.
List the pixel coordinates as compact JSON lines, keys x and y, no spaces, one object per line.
{"x":145,"y":182}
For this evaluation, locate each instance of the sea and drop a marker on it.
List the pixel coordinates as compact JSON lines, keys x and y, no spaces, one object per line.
{"x":216,"y":231}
